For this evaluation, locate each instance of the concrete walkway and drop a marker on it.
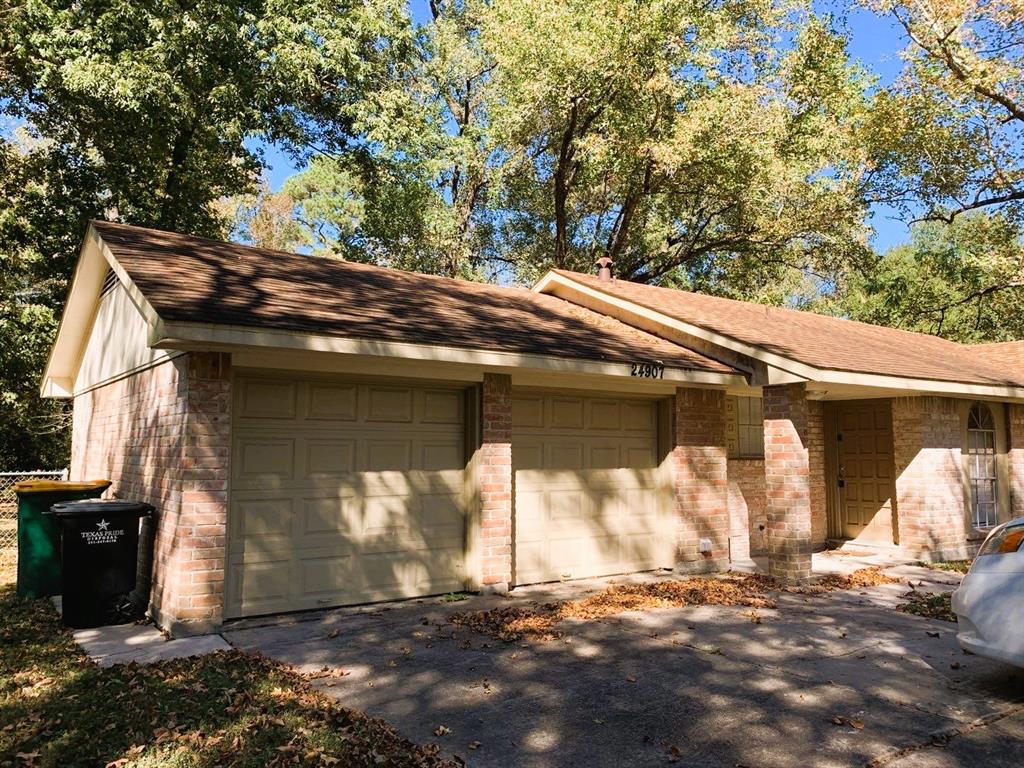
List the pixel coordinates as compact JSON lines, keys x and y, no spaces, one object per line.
{"x":142,"y":644}
{"x":700,"y":686}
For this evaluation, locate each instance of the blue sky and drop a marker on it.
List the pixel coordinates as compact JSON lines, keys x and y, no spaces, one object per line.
{"x":875,"y":41}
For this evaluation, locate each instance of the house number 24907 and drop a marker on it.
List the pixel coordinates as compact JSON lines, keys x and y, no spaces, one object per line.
{"x":647,"y":370}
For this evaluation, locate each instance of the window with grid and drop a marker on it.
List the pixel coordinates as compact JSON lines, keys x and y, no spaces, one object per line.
{"x":745,"y":427}
{"x":981,"y":465}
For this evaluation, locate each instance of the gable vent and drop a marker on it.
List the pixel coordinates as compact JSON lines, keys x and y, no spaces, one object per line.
{"x":109,"y":283}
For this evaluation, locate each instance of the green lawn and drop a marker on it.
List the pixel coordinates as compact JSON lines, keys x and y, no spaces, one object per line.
{"x":227,"y":709}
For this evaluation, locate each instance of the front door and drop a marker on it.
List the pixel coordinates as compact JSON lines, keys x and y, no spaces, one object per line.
{"x":866,"y":485}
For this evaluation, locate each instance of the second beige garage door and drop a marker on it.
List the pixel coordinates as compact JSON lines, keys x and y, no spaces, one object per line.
{"x":588,"y":501}
{"x":343,"y":492}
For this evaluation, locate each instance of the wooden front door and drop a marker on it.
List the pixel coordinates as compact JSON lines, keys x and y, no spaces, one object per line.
{"x":866,"y":486}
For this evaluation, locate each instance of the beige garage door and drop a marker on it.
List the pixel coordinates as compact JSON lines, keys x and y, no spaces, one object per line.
{"x":586,"y":486}
{"x":343,"y":492}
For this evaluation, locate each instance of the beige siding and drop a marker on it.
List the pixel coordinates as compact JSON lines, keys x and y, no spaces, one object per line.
{"x":344,"y":492}
{"x":118,"y":342}
{"x":588,"y":495}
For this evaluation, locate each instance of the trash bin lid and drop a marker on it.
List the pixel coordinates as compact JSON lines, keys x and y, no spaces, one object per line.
{"x":50,"y":486}
{"x":88,"y":507}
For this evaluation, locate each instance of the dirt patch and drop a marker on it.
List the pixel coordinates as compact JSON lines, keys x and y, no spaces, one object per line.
{"x":513,"y":623}
{"x":937,"y":606}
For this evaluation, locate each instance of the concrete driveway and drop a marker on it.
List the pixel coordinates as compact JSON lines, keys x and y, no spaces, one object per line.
{"x":698,"y":686}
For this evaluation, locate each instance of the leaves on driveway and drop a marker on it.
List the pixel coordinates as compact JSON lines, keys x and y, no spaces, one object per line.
{"x":515,"y":623}
{"x":929,"y":606}
{"x":512,"y":623}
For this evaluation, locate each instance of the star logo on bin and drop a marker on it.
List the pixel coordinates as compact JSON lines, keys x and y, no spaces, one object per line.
{"x":103,"y":525}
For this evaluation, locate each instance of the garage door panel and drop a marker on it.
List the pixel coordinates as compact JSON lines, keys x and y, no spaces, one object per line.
{"x":267,"y":399}
{"x":259,"y":459}
{"x":332,"y":402}
{"x":639,"y":417}
{"x":605,"y":456}
{"x":566,"y":413}
{"x":564,"y":455}
{"x":640,"y":456}
{"x":330,"y":456}
{"x":605,"y":414}
{"x":527,"y":411}
{"x":327,"y":575}
{"x":587,"y":498}
{"x":261,"y":582}
{"x":389,"y":404}
{"x":437,"y":455}
{"x":358,"y":497}
{"x":262,"y":518}
{"x":442,"y":407}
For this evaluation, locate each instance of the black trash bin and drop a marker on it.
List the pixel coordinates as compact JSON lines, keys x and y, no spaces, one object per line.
{"x":99,"y":557}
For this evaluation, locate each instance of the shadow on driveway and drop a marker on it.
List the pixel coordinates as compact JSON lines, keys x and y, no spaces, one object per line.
{"x":700,"y":686}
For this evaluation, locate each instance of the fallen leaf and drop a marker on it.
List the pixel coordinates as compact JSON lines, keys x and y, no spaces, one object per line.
{"x":474,"y":745}
{"x":442,"y":731}
{"x":858,"y":724}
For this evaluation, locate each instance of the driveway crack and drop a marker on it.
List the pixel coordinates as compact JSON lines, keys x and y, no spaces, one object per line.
{"x":941,"y":739}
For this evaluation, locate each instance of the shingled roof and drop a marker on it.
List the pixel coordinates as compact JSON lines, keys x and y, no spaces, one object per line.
{"x":193,"y":280}
{"x":819,"y":341}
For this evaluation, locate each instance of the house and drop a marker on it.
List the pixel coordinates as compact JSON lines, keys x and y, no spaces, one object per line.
{"x":316,"y":432}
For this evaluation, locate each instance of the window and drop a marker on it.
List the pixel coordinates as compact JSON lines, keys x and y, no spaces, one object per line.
{"x":745,"y":427}
{"x":981,"y":466}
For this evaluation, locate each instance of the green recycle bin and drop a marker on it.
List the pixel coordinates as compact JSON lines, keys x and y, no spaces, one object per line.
{"x":39,"y":533}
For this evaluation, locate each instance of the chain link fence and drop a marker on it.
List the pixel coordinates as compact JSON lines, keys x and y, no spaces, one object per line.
{"x":9,"y":510}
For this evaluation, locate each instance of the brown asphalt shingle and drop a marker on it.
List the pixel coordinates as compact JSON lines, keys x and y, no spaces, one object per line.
{"x":189,"y":279}
{"x":824,"y":342}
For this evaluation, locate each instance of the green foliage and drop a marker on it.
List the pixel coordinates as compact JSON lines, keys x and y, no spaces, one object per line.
{"x":948,"y":136}
{"x":143,"y":113}
{"x":963,"y":281}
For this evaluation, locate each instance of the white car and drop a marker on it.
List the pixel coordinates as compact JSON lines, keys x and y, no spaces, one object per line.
{"x":989,"y":603}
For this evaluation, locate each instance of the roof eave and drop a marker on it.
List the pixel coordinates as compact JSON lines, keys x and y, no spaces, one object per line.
{"x":552,"y":282}
{"x":79,"y":313}
{"x":188,"y":335}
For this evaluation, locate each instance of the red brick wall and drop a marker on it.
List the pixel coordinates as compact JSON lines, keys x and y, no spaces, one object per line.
{"x":132,"y":432}
{"x":748,"y":523}
{"x":930,"y":502}
{"x":1015,"y":451}
{"x":700,"y":479}
{"x":198,"y":551}
{"x":816,"y":466}
{"x":495,"y":480}
{"x":161,"y":435}
{"x":787,"y":416}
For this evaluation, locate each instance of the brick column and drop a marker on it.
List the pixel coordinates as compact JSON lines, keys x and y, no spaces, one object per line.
{"x":194,"y":593}
{"x":495,"y":480}
{"x":816,"y":472}
{"x":700,"y":480}
{"x":787,"y":481}
{"x":1015,"y":454}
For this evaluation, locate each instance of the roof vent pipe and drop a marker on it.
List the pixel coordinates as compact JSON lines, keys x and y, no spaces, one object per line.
{"x":604,"y":268}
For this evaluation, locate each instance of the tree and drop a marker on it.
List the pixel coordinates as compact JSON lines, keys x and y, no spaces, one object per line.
{"x":145,"y":113}
{"x":678,"y":138}
{"x":963,"y":281}
{"x":949,"y":135}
